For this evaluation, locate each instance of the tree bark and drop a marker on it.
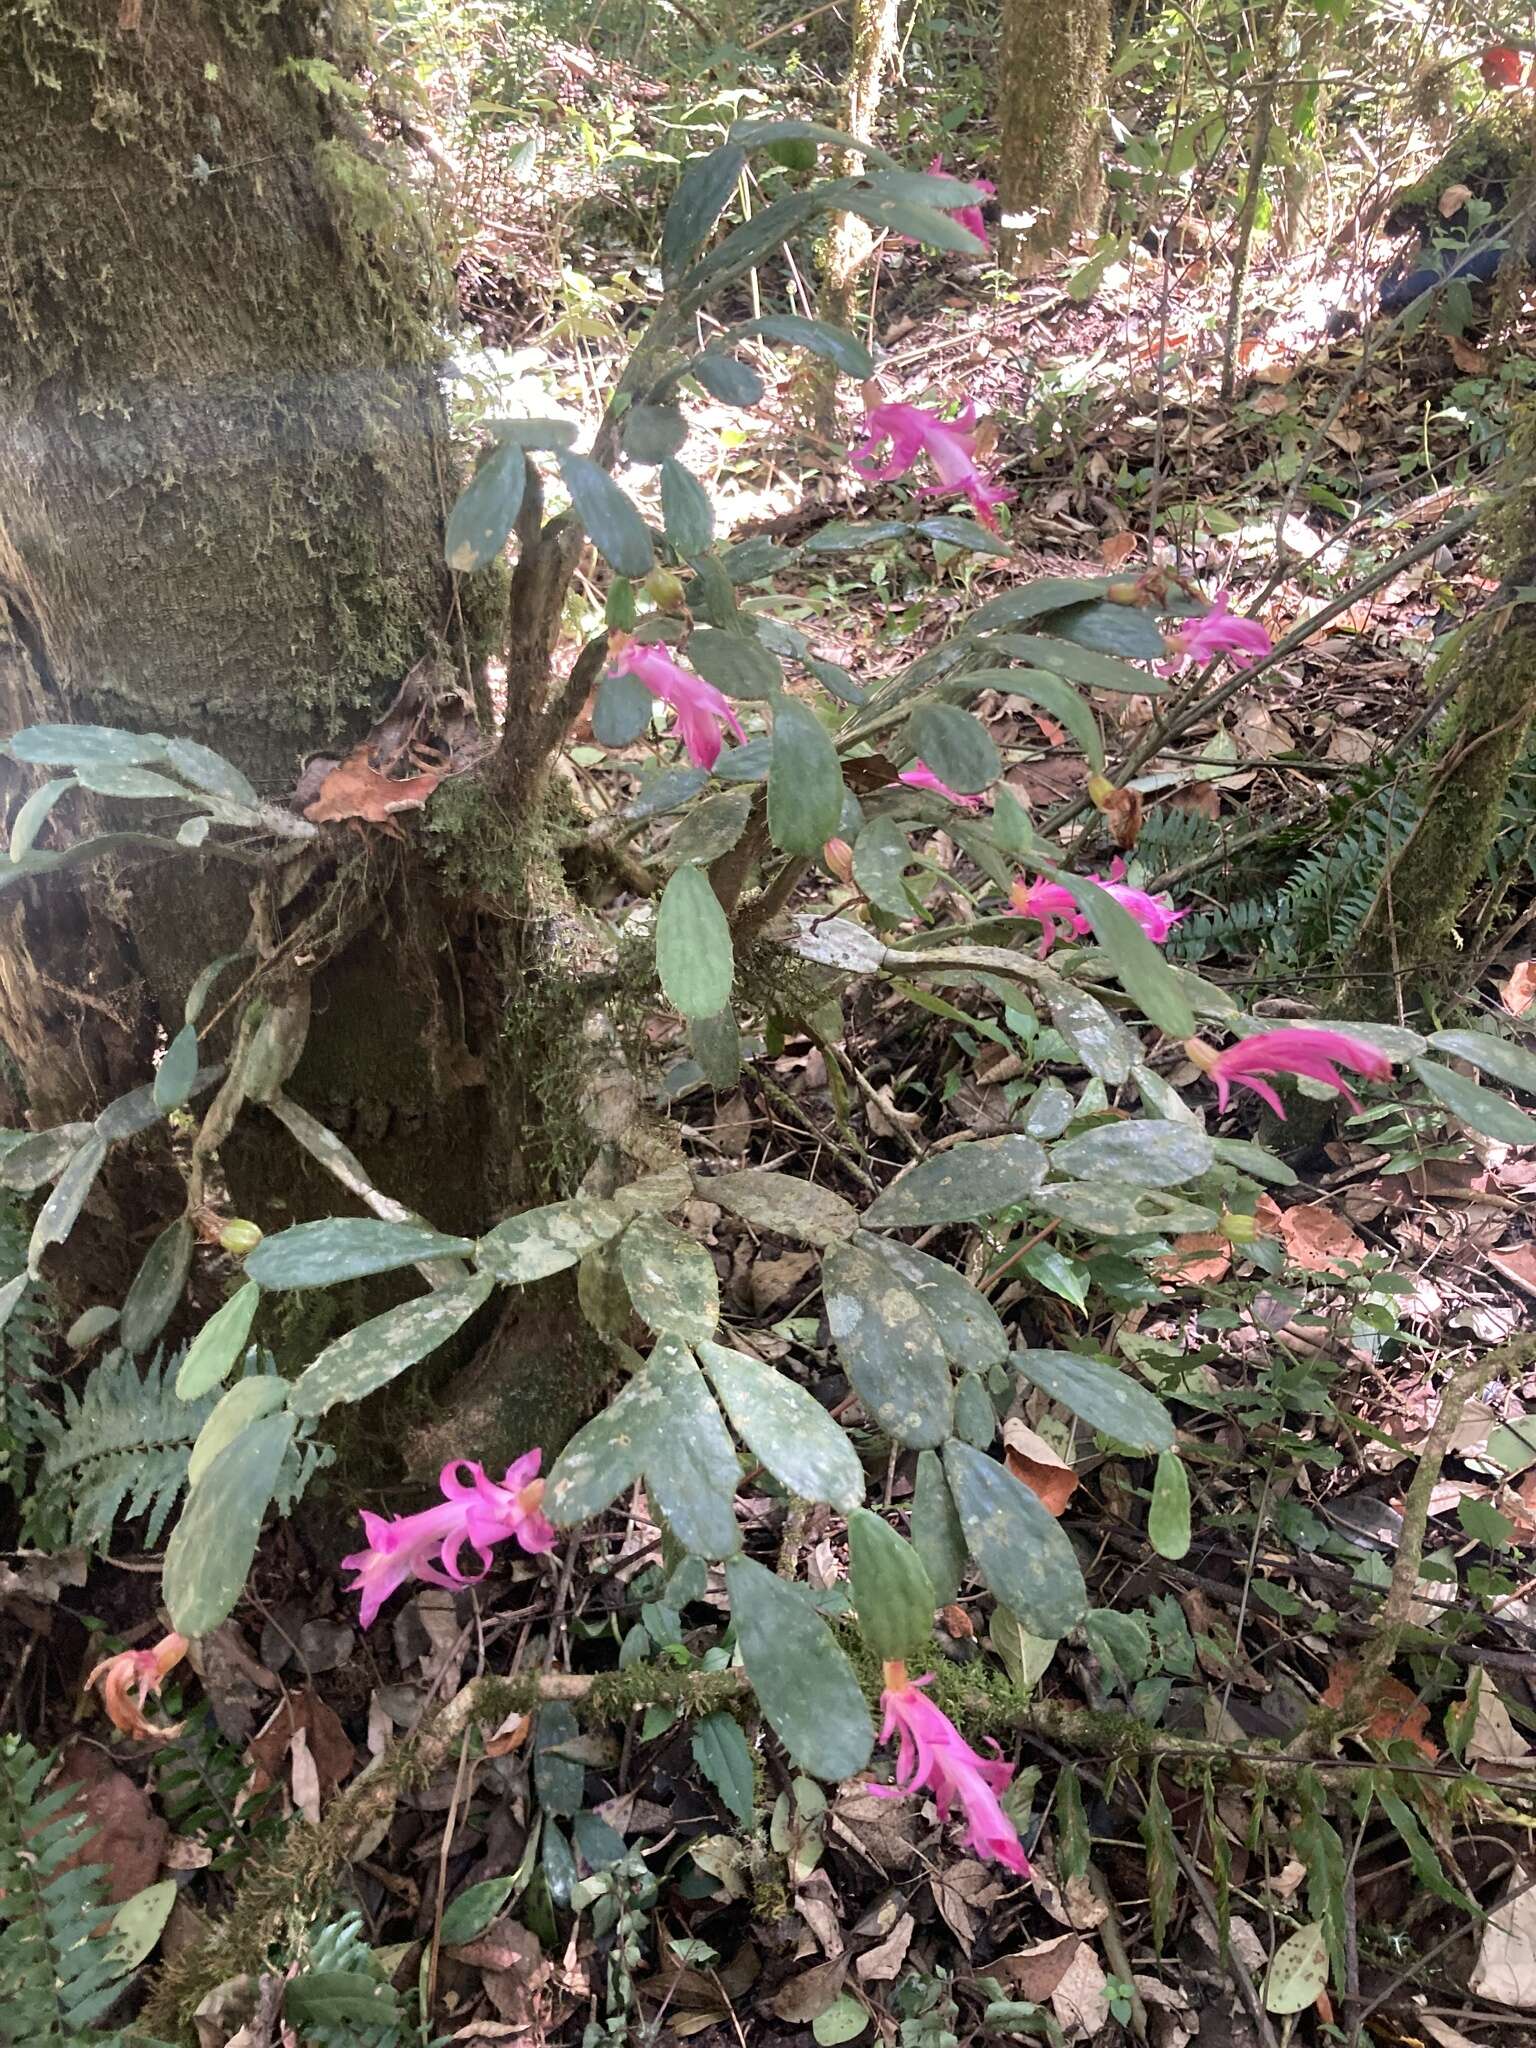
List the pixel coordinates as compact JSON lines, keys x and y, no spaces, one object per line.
{"x":875,"y":34}
{"x":1055,"y":58}
{"x":224,"y":472}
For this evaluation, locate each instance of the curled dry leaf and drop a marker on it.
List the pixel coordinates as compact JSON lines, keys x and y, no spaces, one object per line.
{"x":1518,"y":992}
{"x":1401,"y":1717}
{"x":1030,"y":1458}
{"x":356,"y":789}
{"x":1317,"y":1239}
{"x":1197,"y":1259}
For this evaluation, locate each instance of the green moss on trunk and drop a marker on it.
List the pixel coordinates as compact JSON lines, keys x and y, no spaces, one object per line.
{"x":1054,"y":58}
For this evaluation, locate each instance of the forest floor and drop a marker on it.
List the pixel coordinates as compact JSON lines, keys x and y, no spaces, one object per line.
{"x":774,"y":1913}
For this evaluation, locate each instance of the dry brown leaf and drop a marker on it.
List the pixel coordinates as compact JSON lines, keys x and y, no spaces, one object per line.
{"x":1034,"y":1973}
{"x":304,"y":1778}
{"x":1080,"y":2000}
{"x":512,"y":1734}
{"x":958,"y":1622}
{"x":1401,"y":1717}
{"x":1201,"y":1256}
{"x":882,"y":1965}
{"x":1517,"y":1262}
{"x":1453,"y":199}
{"x":960,"y":1892}
{"x":1505,"y":1970}
{"x":807,"y":1997}
{"x":1317,"y":1239}
{"x":355,"y":789}
{"x":1472,"y":362}
{"x":123,"y":1832}
{"x":1116,"y":549}
{"x":1030,"y":1458}
{"x":1270,"y":402}
{"x":1349,"y":439}
{"x":1519,"y":991}
{"x":330,"y":1750}
{"x":1494,"y":1739}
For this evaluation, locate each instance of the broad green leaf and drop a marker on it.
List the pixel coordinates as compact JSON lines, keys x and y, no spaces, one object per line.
{"x":1104,"y":1209}
{"x":709,"y":829}
{"x":1253,"y":1160}
{"x":621,"y":711}
{"x":844,"y":2020}
{"x":968,"y":1328}
{"x":1094,"y":1033}
{"x":1034,"y":600}
{"x":820,"y":337}
{"x":1128,"y":629}
{"x":846,"y":536}
{"x":547,"y":1240}
{"x":157,"y":1286}
{"x":606,"y":1455}
{"x":351,"y":2004}
{"x":41,"y":1156}
{"x":786,"y":1428}
{"x":756,"y":560}
{"x":693,"y":945}
{"x":1020,"y":1550}
{"x":1056,"y":697}
{"x":1049,"y":1269}
{"x":1298,"y":1973}
{"x":782,"y":1202}
{"x":235,"y":1410}
{"x":703,"y":192}
{"x":687,"y":515}
{"x":805,"y":783}
{"x":33,"y":815}
{"x":608,"y":518}
{"x":379,"y":1350}
{"x":1080,"y":664}
{"x":923,"y":224}
{"x":121,"y":779}
{"x":962,"y":1185}
{"x":956,"y":746}
{"x":1139,"y":1152}
{"x":177,"y":1071}
{"x":1051,"y":1108}
{"x":467,"y":1917}
{"x":671,"y":1280}
{"x":547,"y":434}
{"x":716,"y":1044}
{"x":1139,"y":966}
{"x":690,"y":1462}
{"x":56,"y":1218}
{"x":762,"y":134}
{"x":955,"y":531}
{"x":721,"y":1752}
{"x":727,"y":378}
{"x":210,"y":772}
{"x":804,"y":1683}
{"x":138,"y":1922}
{"x":927,"y":188}
{"x":881,"y":856}
{"x":889,"y":1346}
{"x":346,"y":1248}
{"x":975,"y":1416}
{"x":210,"y":1551}
{"x":1107,"y":1399}
{"x":742,"y":667}
{"x":486,"y":510}
{"x":1500,"y":1057}
{"x":892,"y":1592}
{"x":218,"y":1344}
{"x":1121,"y":1642}
{"x":653,"y":433}
{"x":90,"y":1324}
{"x":1479,"y":1107}
{"x":76,"y":746}
{"x":937,"y":1536}
{"x":1168,"y":1529}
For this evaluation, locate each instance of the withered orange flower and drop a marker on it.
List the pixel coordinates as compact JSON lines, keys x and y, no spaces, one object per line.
{"x":128,"y":1679}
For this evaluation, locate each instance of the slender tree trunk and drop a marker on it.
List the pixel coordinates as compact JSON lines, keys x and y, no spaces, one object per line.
{"x":876,"y":35}
{"x":223,"y":477}
{"x":1055,"y":57}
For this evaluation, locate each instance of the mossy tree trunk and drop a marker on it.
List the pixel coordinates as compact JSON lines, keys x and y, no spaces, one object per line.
{"x":1055,"y":58}
{"x":1407,"y":945}
{"x":224,"y":472}
{"x":876,"y":33}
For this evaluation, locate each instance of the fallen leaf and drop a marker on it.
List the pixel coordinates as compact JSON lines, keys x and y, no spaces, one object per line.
{"x":1201,"y":1256}
{"x":1494,"y":1738}
{"x":512,"y":1734}
{"x":773,"y":1284}
{"x":1519,"y":991}
{"x":355,"y":789}
{"x":958,"y":1622}
{"x":515,"y":1971}
{"x":1401,"y":1718}
{"x":807,"y":1997}
{"x":1317,"y":1239}
{"x":123,"y":1832}
{"x":1472,"y":362}
{"x":1034,"y":1973}
{"x":960,"y":1892}
{"x":1030,"y":1458}
{"x":1080,"y":2000}
{"x":303,"y":1713}
{"x":882,"y":1965}
{"x":1505,"y":1969}
{"x":304,"y":1778}
{"x":1116,"y":549}
{"x":1453,"y":199}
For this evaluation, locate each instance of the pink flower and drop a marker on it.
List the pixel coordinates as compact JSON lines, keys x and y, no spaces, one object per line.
{"x":921,"y":776}
{"x":478,"y":1512}
{"x":950,"y":446}
{"x":1052,"y":903}
{"x":1215,"y":632}
{"x":1300,"y":1049}
{"x":128,"y":1679}
{"x":968,"y":216}
{"x":934,"y":1756}
{"x":701,"y":709}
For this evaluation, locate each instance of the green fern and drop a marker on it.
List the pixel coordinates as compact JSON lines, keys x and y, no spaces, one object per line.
{"x":336,"y":1952}
{"x":121,"y":1447}
{"x":59,"y":1974}
{"x":23,"y":1352}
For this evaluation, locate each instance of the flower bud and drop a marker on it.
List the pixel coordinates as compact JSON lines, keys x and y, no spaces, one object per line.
{"x":1100,"y":791}
{"x":1125,"y":593}
{"x":238,"y":1237}
{"x":1237,"y":1228}
{"x":664,"y":588}
{"x":838,"y":855}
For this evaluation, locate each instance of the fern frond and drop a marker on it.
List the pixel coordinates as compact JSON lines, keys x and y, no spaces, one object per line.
{"x":339,"y":1947}
{"x":59,"y":1974}
{"x":23,"y":1351}
{"x":122,"y":1445}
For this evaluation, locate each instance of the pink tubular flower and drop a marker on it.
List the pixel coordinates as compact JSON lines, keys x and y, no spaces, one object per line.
{"x":934,"y":1756}
{"x":1215,"y":632}
{"x":1301,"y":1049}
{"x":1053,"y":904}
{"x":128,"y":1679}
{"x":476,"y":1511}
{"x":921,"y":776}
{"x":968,"y":216}
{"x":950,"y":446}
{"x":701,"y":709}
